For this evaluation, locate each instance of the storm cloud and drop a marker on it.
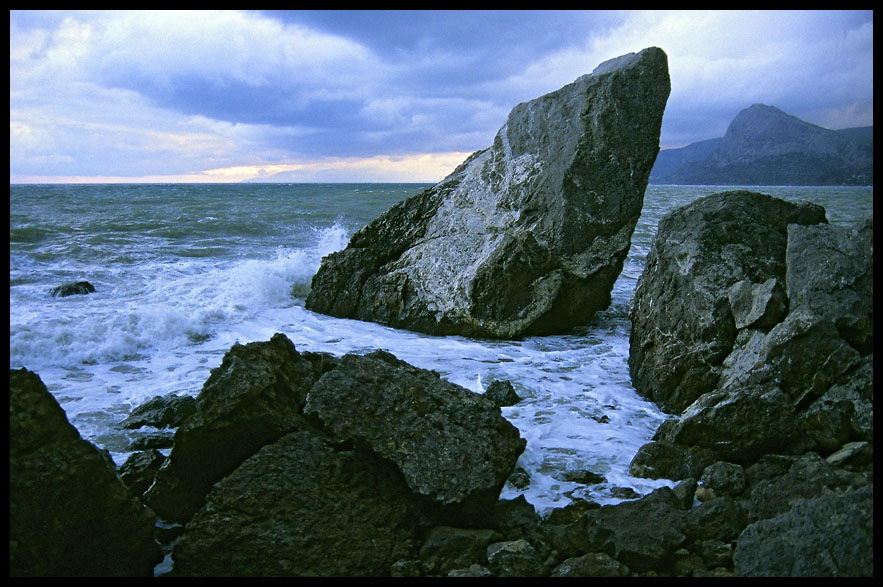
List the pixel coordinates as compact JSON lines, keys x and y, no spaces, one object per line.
{"x":183,"y":96}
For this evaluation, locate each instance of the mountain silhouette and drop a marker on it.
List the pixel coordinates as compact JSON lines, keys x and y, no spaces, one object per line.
{"x":765,"y":146}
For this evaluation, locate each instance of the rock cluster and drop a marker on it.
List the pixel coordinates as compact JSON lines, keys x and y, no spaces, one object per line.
{"x":525,"y":237}
{"x":752,"y":323}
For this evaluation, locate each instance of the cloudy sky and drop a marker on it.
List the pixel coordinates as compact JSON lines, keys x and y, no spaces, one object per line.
{"x":207,"y":96}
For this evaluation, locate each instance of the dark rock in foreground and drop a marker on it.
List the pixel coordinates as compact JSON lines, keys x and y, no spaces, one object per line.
{"x":70,"y":515}
{"x":302,"y":507}
{"x":525,"y":237}
{"x":453,"y":447}
{"x":73,"y":288}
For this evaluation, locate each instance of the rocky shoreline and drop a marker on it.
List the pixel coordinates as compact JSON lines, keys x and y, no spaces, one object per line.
{"x":752,"y":324}
{"x":303,"y":464}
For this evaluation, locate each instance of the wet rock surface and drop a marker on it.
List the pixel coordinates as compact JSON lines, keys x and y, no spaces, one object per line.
{"x":525,"y":237}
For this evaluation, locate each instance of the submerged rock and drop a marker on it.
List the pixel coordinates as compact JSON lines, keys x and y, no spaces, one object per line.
{"x":73,"y":288}
{"x":525,"y":237}
{"x":70,"y":515}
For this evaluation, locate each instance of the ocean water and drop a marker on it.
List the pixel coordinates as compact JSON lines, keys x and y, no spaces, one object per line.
{"x":184,"y":271}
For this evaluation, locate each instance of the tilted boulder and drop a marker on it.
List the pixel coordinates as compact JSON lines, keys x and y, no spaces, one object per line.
{"x":525,"y":237}
{"x":70,"y":515}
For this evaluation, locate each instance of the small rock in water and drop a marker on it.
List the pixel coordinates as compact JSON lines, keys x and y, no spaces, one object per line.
{"x":73,"y":288}
{"x":584,"y":477}
{"x":502,"y":393}
{"x":156,"y":440}
{"x":161,"y":412}
{"x":519,"y":478}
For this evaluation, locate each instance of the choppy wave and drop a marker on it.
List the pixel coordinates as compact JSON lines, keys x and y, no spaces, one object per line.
{"x":156,"y":305}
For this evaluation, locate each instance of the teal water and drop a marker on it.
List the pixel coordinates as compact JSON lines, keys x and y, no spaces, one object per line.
{"x":184,"y":271}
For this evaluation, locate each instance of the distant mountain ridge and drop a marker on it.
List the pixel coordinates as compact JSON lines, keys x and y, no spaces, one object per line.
{"x":765,"y":146}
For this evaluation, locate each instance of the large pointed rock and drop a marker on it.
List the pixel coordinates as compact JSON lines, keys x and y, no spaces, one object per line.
{"x":525,"y":237}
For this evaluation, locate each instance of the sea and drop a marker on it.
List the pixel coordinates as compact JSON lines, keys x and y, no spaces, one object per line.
{"x":184,"y":271}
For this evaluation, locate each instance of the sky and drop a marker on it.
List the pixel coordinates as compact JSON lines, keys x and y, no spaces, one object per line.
{"x":377,"y":96}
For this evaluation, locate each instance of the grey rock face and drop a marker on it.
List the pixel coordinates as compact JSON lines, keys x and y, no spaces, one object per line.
{"x":451,"y":445}
{"x":70,"y":515}
{"x":525,"y":237}
{"x":827,"y":536}
{"x":683,"y":325}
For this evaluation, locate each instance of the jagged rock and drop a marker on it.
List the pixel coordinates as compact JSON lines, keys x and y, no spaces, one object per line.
{"x":452,"y":445}
{"x":682,"y":321}
{"x":809,"y":477}
{"x":725,"y":478}
{"x":140,"y":469}
{"x":302,"y":507}
{"x":853,"y":456}
{"x":758,"y":305}
{"x":802,"y":384}
{"x":826,"y":536}
{"x":594,"y":564}
{"x":525,"y":237}
{"x":660,"y":459}
{"x":515,"y":558}
{"x":70,"y":515}
{"x":844,"y":412}
{"x":253,"y":398}
{"x":644,"y":533}
{"x":73,"y":288}
{"x":153,"y":440}
{"x":502,"y":393}
{"x":516,"y":518}
{"x":714,"y":553}
{"x":161,"y":412}
{"x":721,"y":518}
{"x":447,"y":548}
{"x":471,"y":571}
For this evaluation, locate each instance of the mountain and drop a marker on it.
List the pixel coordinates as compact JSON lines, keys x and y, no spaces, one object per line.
{"x":765,"y":146}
